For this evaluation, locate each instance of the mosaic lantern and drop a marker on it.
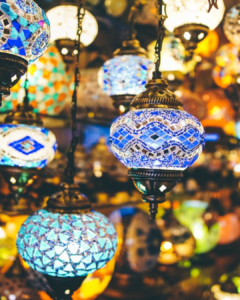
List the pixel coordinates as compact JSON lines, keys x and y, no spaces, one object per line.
{"x":156,"y":143}
{"x":125,"y":75}
{"x":64,"y":25}
{"x":231,"y":25}
{"x":190,"y":20}
{"x":67,"y":239}
{"x":26,"y":146}
{"x":24,"y":36}
{"x":48,"y":85}
{"x":190,"y":214}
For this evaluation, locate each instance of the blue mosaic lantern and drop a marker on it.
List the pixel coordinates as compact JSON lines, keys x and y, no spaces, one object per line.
{"x":67,"y":240}
{"x":24,"y":36}
{"x":26,"y":146}
{"x":156,"y":140}
{"x":126,"y":74}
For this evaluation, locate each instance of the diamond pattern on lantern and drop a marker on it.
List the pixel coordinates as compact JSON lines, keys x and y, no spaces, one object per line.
{"x":157,"y":138}
{"x":66,"y":245}
{"x":24,"y":29}
{"x":27,"y":145}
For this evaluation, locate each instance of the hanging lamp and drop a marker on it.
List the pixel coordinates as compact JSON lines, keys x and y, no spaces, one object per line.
{"x":191,"y":20}
{"x":67,"y":240}
{"x":24,"y":36}
{"x":157,"y":139}
{"x":64,"y":28}
{"x":125,"y":75}
{"x":231,"y":26}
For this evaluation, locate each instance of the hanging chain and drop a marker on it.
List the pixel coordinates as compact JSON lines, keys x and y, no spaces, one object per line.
{"x":70,"y":170}
{"x":211,"y":4}
{"x":26,"y":85}
{"x":161,"y":16}
{"x":135,"y":6}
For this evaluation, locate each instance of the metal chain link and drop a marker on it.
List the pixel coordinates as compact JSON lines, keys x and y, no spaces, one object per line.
{"x":70,"y":170}
{"x":161,"y":16}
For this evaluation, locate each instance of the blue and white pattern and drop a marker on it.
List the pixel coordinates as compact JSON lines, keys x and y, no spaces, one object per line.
{"x":24,"y":29}
{"x":67,"y":245}
{"x":26,"y":146}
{"x":125,"y":75}
{"x":166,"y":139}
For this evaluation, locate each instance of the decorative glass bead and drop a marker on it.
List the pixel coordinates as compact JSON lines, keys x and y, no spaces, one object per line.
{"x":26,"y":146}
{"x":48,"y":85}
{"x":125,"y":75}
{"x":165,"y":139}
{"x":183,"y":12}
{"x":24,"y":29}
{"x":67,"y":245}
{"x":231,"y":25}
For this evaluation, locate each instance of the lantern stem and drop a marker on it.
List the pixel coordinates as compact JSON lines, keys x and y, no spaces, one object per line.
{"x":70,"y":170}
{"x":26,"y":99}
{"x":161,"y":33}
{"x":64,"y":287}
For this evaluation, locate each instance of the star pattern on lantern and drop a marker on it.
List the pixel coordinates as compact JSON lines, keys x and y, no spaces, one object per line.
{"x":67,"y":245}
{"x":157,"y":138}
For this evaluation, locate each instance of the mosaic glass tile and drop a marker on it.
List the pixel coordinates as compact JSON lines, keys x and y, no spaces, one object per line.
{"x":26,"y":146}
{"x":24,"y":29}
{"x":59,"y":251}
{"x":49,"y":85}
{"x":166,"y":139}
{"x":125,"y":75}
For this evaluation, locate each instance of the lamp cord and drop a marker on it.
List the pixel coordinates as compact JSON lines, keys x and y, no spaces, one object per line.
{"x":161,"y":16}
{"x":70,"y":169}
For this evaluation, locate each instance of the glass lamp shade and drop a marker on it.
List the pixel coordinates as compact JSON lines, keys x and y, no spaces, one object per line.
{"x":178,"y":244}
{"x":190,"y":214}
{"x":48,"y":85}
{"x":157,"y":138}
{"x":125,"y":75}
{"x":231,"y":25}
{"x":26,"y":146}
{"x":24,"y":29}
{"x":64,"y":24}
{"x":66,"y":245}
{"x":182,"y":12}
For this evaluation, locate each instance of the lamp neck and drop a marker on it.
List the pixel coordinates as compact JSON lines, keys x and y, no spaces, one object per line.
{"x":70,"y":170}
{"x":161,"y":16}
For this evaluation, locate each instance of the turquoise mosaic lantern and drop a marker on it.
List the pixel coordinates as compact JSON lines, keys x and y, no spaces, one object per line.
{"x":24,"y":36}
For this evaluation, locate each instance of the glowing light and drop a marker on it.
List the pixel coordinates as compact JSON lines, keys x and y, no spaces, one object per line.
{"x":187,"y":35}
{"x":166,"y":246}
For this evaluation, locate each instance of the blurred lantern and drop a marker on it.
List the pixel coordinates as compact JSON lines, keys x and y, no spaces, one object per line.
{"x":48,"y":85}
{"x":14,"y":284}
{"x":227,"y":288}
{"x":190,"y":21}
{"x":116,"y":7}
{"x":125,"y":75}
{"x":227,"y":65}
{"x":172,"y":63}
{"x":83,"y":166}
{"x":178,"y":242}
{"x":231,"y":25}
{"x":25,"y":33}
{"x":139,"y":246}
{"x":229,"y":228}
{"x":204,"y":228}
{"x":209,"y":45}
{"x":93,"y":103}
{"x":8,"y":248}
{"x":192,"y":103}
{"x":64,"y":25}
